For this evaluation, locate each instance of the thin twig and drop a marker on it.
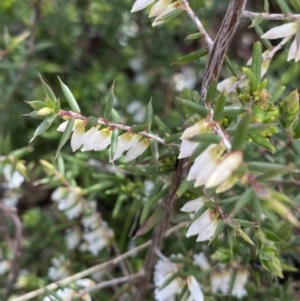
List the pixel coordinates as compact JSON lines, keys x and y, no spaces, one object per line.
{"x":113,"y":125}
{"x":186,"y":6}
{"x":265,"y":58}
{"x":266,"y":16}
{"x":94,"y":269}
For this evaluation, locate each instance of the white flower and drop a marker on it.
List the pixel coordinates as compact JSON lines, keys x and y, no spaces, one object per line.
{"x":141,"y":4}
{"x":63,"y":295}
{"x":4,"y":266}
{"x":98,"y":141}
{"x":282,"y":31}
{"x":59,"y":268}
{"x":205,"y":164}
{"x":238,"y":289}
{"x":220,"y":281}
{"x":85,"y":282}
{"x":201,"y":261}
{"x":125,"y":142}
{"x":137,"y":150}
{"x":13,"y":179}
{"x":205,"y":225}
{"x":194,"y":288}
{"x":77,"y":138}
{"x":187,"y":148}
{"x":159,"y":7}
{"x":73,"y":238}
{"x":162,"y":271}
{"x":224,"y":169}
{"x":170,"y":8}
{"x":226,"y":84}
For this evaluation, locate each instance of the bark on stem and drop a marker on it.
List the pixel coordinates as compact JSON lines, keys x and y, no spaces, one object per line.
{"x":213,"y":68}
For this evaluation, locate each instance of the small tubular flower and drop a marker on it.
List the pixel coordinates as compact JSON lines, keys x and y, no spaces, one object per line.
{"x":220,"y":280}
{"x":125,"y":142}
{"x":170,"y":8}
{"x":159,"y":7}
{"x":205,"y":225}
{"x":98,"y":141}
{"x":194,"y":288}
{"x":286,"y":30}
{"x":137,"y":150}
{"x":201,"y":261}
{"x":224,"y":170}
{"x":240,"y":281}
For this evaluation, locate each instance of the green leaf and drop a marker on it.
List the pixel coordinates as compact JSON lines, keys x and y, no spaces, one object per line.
{"x":51,"y":117}
{"x":196,"y":108}
{"x":191,"y":56}
{"x":211,"y":92}
{"x":161,"y":125}
{"x":240,"y":134}
{"x":173,"y":138}
{"x":219,"y":107}
{"x":57,"y":106}
{"x":264,"y":166}
{"x":136,"y":128}
{"x":168,"y":281}
{"x":194,"y":36}
{"x":259,"y":32}
{"x":199,"y":213}
{"x":267,"y":6}
{"x":233,"y":111}
{"x":114,"y":143}
{"x":50,"y":104}
{"x":283,"y":6}
{"x":256,"y":21}
{"x":276,"y":94}
{"x":183,"y":187}
{"x":65,"y":136}
{"x":157,"y":216}
{"x":117,"y":208}
{"x":256,"y":208}
{"x":109,"y":102}
{"x":263,"y":142}
{"x":70,"y":97}
{"x":115,"y":117}
{"x":44,"y":126}
{"x":154,"y":151}
{"x":242,"y":202}
{"x":257,"y":60}
{"x":48,"y":91}
{"x":196,"y":96}
{"x":173,"y":14}
{"x":219,"y":229}
{"x":244,"y":236}
{"x":207,"y":138}
{"x":231,"y":67}
{"x":296,"y":5}
{"x":253,"y":81}
{"x":147,"y":170}
{"x":92,"y":121}
{"x":34,"y":115}
{"x":149,"y":115}
{"x":36,"y":104}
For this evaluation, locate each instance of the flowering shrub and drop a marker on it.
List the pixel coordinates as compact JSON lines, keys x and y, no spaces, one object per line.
{"x":232,"y":165}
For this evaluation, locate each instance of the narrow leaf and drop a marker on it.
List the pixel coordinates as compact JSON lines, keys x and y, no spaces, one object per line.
{"x":114,"y":143}
{"x":65,"y":136}
{"x":276,"y":94}
{"x":230,"y":66}
{"x":257,"y":60}
{"x":70,"y":97}
{"x":283,"y":6}
{"x":207,"y":138}
{"x":183,"y":187}
{"x":239,"y":136}
{"x":233,"y":111}
{"x":154,"y":151}
{"x":219,"y":107}
{"x":264,"y":166}
{"x":219,"y":229}
{"x":109,"y":102}
{"x":136,"y":128}
{"x":267,"y":6}
{"x":253,"y":81}
{"x":196,"y":108}
{"x":36,"y":104}
{"x":149,"y":115}
{"x":44,"y":126}
{"x":194,"y":36}
{"x":171,"y":15}
{"x":242,"y":202}
{"x":191,"y":56}
{"x":296,"y":5}
{"x":211,"y":92}
{"x":260,"y":32}
{"x":48,"y":91}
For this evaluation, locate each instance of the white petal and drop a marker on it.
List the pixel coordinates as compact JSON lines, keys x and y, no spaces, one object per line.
{"x":172,"y":7}
{"x":95,"y":141}
{"x":187,"y":148}
{"x":125,"y":142}
{"x":238,"y":289}
{"x":77,"y":139}
{"x":226,"y":84}
{"x":159,"y":7}
{"x":193,"y":206}
{"x":62,"y":126}
{"x":85,"y":282}
{"x":170,"y":290}
{"x":281,"y":31}
{"x":201,"y":261}
{"x":205,"y":173}
{"x":198,"y":128}
{"x":199,"y":224}
{"x":137,"y":150}
{"x":194,"y":288}
{"x":140,"y":4}
{"x":224,"y":169}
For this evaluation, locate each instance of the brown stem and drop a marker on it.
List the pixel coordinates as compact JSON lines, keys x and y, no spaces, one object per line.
{"x":214,"y":65}
{"x":224,"y":37}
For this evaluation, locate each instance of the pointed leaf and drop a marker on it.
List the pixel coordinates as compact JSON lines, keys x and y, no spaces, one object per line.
{"x":259,"y":32}
{"x":283,"y":6}
{"x":184,"y":186}
{"x":65,"y":136}
{"x":207,"y":138}
{"x":193,"y":36}
{"x":191,"y":56}
{"x":136,"y":128}
{"x":48,"y":91}
{"x":171,"y":15}
{"x":242,"y":202}
{"x":257,"y":60}
{"x":149,"y":115}
{"x":115,"y":117}
{"x":109,"y":102}
{"x":296,"y":5}
{"x":253,"y":81}
{"x":230,"y":66}
{"x":196,"y":108}
{"x":211,"y":92}
{"x":219,"y":107}
{"x":154,"y":151}
{"x":267,"y":6}
{"x":70,"y":97}
{"x":114,"y":143}
{"x":219,"y":229}
{"x":239,"y":136}
{"x":36,"y":104}
{"x":44,"y":126}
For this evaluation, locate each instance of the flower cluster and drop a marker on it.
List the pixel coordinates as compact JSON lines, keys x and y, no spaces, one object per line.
{"x":220,"y":277}
{"x":99,"y":139}
{"x":67,"y":294}
{"x":211,"y":168}
{"x":13,"y":181}
{"x":205,"y":225}
{"x":163,"y":270}
{"x":96,"y":233}
{"x":160,"y":9}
